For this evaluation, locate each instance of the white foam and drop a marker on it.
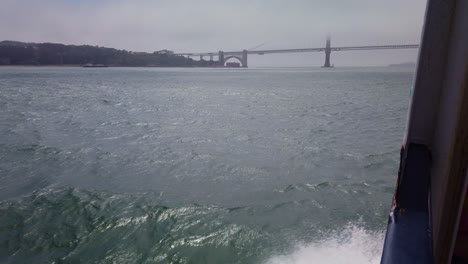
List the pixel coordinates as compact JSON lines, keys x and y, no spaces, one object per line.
{"x":351,"y":245}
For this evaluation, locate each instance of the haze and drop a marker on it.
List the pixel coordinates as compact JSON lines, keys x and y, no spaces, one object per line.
{"x":212,"y":25}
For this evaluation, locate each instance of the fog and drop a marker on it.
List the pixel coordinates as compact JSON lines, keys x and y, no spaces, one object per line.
{"x":212,"y":25}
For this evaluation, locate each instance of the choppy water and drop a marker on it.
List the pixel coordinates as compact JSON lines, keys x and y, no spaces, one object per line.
{"x":272,"y":166}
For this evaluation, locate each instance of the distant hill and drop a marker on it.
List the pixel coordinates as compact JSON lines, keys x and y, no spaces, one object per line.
{"x":21,"y":53}
{"x":404,"y":64}
{"x":12,"y":43}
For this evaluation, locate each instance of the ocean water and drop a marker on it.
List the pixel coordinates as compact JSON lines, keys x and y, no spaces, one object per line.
{"x":151,"y":165}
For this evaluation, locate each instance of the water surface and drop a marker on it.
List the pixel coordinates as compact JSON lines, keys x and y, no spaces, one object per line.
{"x":150,"y":165}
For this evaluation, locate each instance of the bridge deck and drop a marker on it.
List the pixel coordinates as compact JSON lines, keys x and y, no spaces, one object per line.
{"x":262,"y":52}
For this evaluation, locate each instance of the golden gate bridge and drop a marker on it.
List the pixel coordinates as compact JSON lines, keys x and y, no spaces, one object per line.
{"x":242,"y":56}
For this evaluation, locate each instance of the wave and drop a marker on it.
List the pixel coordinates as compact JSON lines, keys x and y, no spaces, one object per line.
{"x":72,"y":225}
{"x":353,"y":244}
{"x":76,"y":225}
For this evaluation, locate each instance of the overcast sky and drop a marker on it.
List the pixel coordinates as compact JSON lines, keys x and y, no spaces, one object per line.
{"x":212,"y":25}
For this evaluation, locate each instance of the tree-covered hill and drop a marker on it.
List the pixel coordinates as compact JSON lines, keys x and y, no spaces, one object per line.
{"x":20,"y":53}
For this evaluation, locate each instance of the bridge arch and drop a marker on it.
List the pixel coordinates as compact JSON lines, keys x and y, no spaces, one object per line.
{"x":238,"y":58}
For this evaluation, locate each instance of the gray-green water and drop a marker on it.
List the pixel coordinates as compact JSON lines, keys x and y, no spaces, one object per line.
{"x":124,"y":165}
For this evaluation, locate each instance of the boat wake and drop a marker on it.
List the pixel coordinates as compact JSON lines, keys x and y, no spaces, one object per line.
{"x":354,"y":244}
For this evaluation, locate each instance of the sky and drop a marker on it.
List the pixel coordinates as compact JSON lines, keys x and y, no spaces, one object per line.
{"x":212,"y":25}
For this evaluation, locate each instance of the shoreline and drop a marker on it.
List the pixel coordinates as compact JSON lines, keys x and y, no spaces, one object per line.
{"x":113,"y":66}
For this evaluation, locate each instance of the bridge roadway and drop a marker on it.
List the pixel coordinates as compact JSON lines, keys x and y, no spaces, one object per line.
{"x":274,"y":51}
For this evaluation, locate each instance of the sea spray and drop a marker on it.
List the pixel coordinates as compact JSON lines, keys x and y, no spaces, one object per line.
{"x":353,"y":244}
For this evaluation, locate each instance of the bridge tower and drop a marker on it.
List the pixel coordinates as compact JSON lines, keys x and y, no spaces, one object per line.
{"x":327,"y":54}
{"x":221,"y":58}
{"x":244,"y":58}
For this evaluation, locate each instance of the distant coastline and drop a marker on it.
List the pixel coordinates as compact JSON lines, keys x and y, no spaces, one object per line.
{"x":15,"y":53}
{"x":403,"y":64}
